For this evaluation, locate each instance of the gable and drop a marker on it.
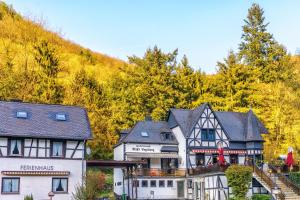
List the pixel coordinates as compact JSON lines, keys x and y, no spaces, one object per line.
{"x":207,"y":120}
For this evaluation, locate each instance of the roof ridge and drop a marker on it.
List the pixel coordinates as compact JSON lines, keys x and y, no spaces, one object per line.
{"x":41,"y":104}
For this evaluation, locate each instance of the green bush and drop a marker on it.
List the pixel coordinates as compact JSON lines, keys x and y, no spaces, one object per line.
{"x":93,"y":185}
{"x":295,"y":177}
{"x":239,"y":179}
{"x":28,"y":197}
{"x":261,"y":197}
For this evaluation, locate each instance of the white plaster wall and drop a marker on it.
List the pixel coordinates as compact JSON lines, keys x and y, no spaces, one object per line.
{"x":118,"y":174}
{"x":241,"y":160}
{"x":181,"y":146}
{"x":155,"y":163}
{"x":159,"y":192}
{"x":40,"y":186}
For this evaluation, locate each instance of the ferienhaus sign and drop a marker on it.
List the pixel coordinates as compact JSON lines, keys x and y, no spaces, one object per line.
{"x":36,"y":167}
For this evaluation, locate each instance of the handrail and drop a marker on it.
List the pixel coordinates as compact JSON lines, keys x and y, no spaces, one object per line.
{"x":208,"y":169}
{"x":267,"y":180}
{"x":286,"y":181}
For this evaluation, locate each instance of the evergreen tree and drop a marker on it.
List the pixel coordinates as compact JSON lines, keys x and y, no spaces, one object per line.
{"x":259,"y":49}
{"x":47,"y":90}
{"x":238,"y":83}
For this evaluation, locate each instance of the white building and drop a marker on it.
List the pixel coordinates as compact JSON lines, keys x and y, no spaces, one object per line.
{"x":181,"y":154}
{"x":42,"y":149}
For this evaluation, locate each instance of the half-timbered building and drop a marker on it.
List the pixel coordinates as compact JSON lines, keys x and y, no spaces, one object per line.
{"x":42,"y":150}
{"x":182,"y":154}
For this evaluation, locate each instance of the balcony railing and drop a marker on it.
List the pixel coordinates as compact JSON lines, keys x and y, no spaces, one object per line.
{"x":153,"y":172}
{"x":208,"y":169}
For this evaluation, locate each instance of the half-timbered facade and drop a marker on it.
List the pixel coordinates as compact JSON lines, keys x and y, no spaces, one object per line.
{"x":42,"y":150}
{"x":197,"y":135}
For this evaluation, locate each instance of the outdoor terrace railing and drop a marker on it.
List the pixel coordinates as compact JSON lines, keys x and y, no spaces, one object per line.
{"x":284,"y":179}
{"x":285,"y":168}
{"x":208,"y":169}
{"x":154,"y":172}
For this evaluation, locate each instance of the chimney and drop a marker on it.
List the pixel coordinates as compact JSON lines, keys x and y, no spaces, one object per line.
{"x":148,"y":118}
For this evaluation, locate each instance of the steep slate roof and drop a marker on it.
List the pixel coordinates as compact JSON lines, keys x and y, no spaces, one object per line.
{"x":241,"y":126}
{"x":41,"y":122}
{"x":238,"y":126}
{"x":154,"y":130}
{"x":186,"y":118}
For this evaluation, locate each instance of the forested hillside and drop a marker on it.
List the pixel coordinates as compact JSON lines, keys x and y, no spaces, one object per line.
{"x":39,"y":66}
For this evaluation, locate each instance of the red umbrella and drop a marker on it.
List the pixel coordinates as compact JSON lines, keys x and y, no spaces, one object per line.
{"x":289,"y":160}
{"x":221,"y":158}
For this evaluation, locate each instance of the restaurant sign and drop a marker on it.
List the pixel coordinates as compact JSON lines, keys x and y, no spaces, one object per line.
{"x":143,"y":148}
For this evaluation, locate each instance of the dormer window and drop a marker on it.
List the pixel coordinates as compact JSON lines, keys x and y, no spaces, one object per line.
{"x":167,"y":136}
{"x":22,"y":114}
{"x":61,"y":117}
{"x":144,"y":134}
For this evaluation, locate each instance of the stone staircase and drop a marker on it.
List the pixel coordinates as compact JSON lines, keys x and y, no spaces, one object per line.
{"x":289,"y":194}
{"x":269,"y":181}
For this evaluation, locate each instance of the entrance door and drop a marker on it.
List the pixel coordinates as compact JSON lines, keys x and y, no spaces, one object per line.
{"x":180,"y":189}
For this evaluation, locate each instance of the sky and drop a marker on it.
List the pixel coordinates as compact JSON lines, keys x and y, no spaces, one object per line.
{"x":204,"y":31}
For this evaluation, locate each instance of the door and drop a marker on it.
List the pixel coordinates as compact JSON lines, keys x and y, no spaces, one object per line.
{"x":180,"y":189}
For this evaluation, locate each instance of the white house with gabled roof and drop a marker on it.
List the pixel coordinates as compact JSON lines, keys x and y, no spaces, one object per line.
{"x":181,"y":154}
{"x":42,"y":150}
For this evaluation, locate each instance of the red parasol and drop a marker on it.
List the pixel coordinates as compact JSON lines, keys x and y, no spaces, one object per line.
{"x":289,"y":160}
{"x":221,"y":158}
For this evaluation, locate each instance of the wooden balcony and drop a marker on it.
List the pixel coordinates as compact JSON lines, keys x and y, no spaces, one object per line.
{"x":153,"y":172}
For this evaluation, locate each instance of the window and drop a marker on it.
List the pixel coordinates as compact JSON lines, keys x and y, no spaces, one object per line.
{"x":234,"y":158}
{"x":200,"y":159}
{"x":60,"y":185}
{"x":119,"y":183}
{"x":169,"y":163}
{"x":10,"y":185}
{"x":60,"y":117}
{"x":161,"y":183}
{"x":190,"y":183}
{"x":144,"y":134}
{"x":15,"y":148}
{"x":144,"y":183}
{"x":215,"y":158}
{"x":147,"y":165}
{"x":22,"y":114}
{"x":208,"y":134}
{"x":167,"y":136}
{"x":57,"y":149}
{"x":170,"y":183}
{"x":136,"y":183}
{"x":153,"y":183}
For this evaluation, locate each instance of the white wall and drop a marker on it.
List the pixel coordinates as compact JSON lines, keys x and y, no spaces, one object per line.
{"x":181,"y":146}
{"x":40,"y":186}
{"x":159,"y":192}
{"x":118,"y":174}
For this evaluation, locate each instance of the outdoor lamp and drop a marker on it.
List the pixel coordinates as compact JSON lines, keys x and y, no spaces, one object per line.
{"x":51,"y":194}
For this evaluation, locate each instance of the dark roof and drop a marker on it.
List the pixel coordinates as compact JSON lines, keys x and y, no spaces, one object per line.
{"x":154,"y":130}
{"x":41,"y":121}
{"x":238,"y":126}
{"x":169,"y":149}
{"x":241,"y":126}
{"x":186,"y":118}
